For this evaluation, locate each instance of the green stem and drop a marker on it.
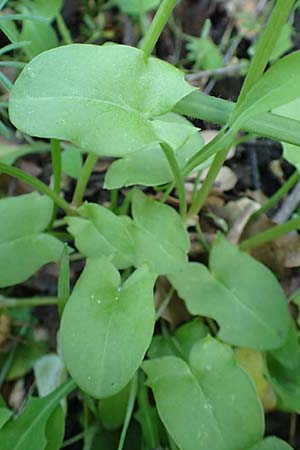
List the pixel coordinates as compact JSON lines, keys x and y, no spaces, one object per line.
{"x":164,"y":304}
{"x":277,"y":196}
{"x":57,"y":169}
{"x":7,"y":302}
{"x":129,"y":410}
{"x":266,"y":44}
{"x":63,"y":29}
{"x":39,"y":185}
{"x":271,"y":234}
{"x":78,"y":437}
{"x":160,"y":19}
{"x":84,"y":177}
{"x":178,"y":178}
{"x":215,"y":110}
{"x":208,"y":182}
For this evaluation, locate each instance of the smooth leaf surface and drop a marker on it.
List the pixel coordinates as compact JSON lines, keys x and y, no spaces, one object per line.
{"x":23,"y":246}
{"x":102,"y":99}
{"x":24,"y":215}
{"x":278,"y":86}
{"x":149,"y":167}
{"x":244,"y":297}
{"x":49,"y":372}
{"x":45,"y":8}
{"x":99,"y":232}
{"x":28,"y":431}
{"x":41,"y":36}
{"x":212,"y":391}
{"x":71,"y":161}
{"x":10,"y":153}
{"x":161,"y":240}
{"x":21,"y":258}
{"x":106,"y":328}
{"x":272,"y":443}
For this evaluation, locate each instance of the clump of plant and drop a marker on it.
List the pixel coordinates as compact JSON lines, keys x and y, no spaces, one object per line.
{"x":118,"y":101}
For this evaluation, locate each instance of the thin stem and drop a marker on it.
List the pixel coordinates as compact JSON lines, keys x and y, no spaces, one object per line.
{"x":271,"y":234}
{"x":11,"y":356}
{"x":266,"y":44}
{"x":160,"y":19}
{"x":57,"y":169}
{"x":208,"y":183}
{"x":63,"y":29}
{"x":84,"y":177}
{"x":215,"y":110}
{"x":178,"y":178}
{"x":39,"y":185}
{"x":9,"y":302}
{"x":78,"y":437}
{"x":129,"y":410}
{"x":277,"y":196}
{"x":164,"y":304}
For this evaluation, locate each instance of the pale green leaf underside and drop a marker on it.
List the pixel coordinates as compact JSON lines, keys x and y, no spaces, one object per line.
{"x":149,"y":167}
{"x":102,"y":99}
{"x":278,"y":86}
{"x":106,"y":328}
{"x":202,"y":402}
{"x":244,"y":297}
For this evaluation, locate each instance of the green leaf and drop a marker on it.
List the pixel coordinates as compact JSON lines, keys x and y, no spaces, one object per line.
{"x":23,"y":248}
{"x":149,"y":167}
{"x":25,"y":357}
{"x":5,"y":413}
{"x":21,"y":258}
{"x":113,"y":87}
{"x":244,"y":297}
{"x":28,"y":431}
{"x":101,"y":233}
{"x":10,"y":153}
{"x":278,"y":86}
{"x":106,"y":328}
{"x":204,"y":53}
{"x":44,"y":8}
{"x":136,"y":7}
{"x":292,"y":110}
{"x":189,"y":333}
{"x":271,"y":443}
{"x":285,"y":382}
{"x":24,"y":215}
{"x":212,"y":391}
{"x":55,"y":429}
{"x":71,"y":161}
{"x":161,"y":240}
{"x":41,"y":36}
{"x":112,"y":410}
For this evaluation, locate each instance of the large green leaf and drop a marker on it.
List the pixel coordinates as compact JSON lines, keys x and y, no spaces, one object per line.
{"x":278,"y":86}
{"x":161,"y":240}
{"x":102,"y":98}
{"x":23,"y":248}
{"x":28,"y":431}
{"x":241,"y":294}
{"x":203,"y":403}
{"x":292,"y":110}
{"x":45,"y":8}
{"x":99,"y":232}
{"x":272,"y":443}
{"x":136,"y":6}
{"x":106,"y":328}
{"x":149,"y":167}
